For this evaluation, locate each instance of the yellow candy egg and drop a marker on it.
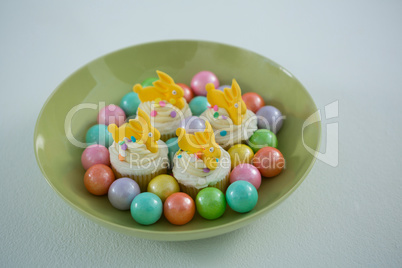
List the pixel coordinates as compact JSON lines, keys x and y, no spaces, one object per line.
{"x":240,"y":154}
{"x":163,"y":186}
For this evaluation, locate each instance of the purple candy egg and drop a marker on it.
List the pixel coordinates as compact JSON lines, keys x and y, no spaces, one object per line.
{"x":122,"y":192}
{"x":193,"y":124}
{"x":221,"y":88}
{"x":270,"y":118}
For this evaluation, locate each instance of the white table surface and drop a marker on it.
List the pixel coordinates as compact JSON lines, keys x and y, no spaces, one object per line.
{"x":346,"y":51}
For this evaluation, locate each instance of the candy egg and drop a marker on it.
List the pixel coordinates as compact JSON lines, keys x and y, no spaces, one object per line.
{"x":179,"y":208}
{"x":129,"y":103}
{"x":98,"y":179}
{"x":201,"y":79}
{"x":241,"y":196}
{"x":269,"y":161}
{"x":111,"y":114}
{"x":98,"y":134}
{"x":240,"y":153}
{"x":193,"y":124}
{"x":198,"y":105}
{"x":222,"y":88}
{"x":163,"y":186}
{"x":146,"y":208}
{"x":122,"y":192}
{"x":262,"y":138}
{"x":210,"y":203}
{"x":148,"y":82}
{"x":253,"y":101}
{"x":270,"y":118}
{"x":246,"y":172}
{"x":173,"y":147}
{"x":188,"y":93}
{"x":95,"y":154}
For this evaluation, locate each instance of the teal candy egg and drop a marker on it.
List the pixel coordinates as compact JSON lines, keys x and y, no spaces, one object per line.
{"x":148,"y":82}
{"x":241,"y":196}
{"x":262,"y":138}
{"x":198,"y":105}
{"x":129,"y":103}
{"x":173,"y":147}
{"x":146,"y":208}
{"x":98,"y":134}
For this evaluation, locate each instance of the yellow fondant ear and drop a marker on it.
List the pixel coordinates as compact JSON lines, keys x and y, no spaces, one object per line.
{"x":114,"y":129}
{"x":136,"y":125}
{"x":236,"y":89}
{"x":164,"y":77}
{"x":229,"y":95}
{"x":161,"y":86}
{"x":143,"y":115}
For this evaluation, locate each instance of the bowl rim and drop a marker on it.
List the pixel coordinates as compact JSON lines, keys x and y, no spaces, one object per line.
{"x":179,"y":234}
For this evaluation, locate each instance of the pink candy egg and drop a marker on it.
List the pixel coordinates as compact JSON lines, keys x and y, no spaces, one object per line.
{"x":246,"y":172}
{"x":95,"y":154}
{"x":111,"y":114}
{"x":201,"y":79}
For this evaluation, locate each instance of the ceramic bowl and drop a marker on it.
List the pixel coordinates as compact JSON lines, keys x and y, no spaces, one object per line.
{"x":107,"y":79}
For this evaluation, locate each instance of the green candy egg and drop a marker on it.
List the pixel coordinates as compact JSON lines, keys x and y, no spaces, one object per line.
{"x":262,"y":138}
{"x":148,"y":82}
{"x":210,"y":203}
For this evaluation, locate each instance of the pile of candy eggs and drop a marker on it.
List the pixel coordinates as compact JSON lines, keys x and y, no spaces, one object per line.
{"x":249,"y":163}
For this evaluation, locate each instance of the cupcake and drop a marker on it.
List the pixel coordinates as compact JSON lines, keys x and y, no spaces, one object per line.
{"x":200,"y":162}
{"x":164,"y":103}
{"x":228,"y":115}
{"x":137,"y":151}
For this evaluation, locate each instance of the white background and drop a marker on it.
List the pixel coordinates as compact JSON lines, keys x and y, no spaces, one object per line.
{"x":349,"y":51}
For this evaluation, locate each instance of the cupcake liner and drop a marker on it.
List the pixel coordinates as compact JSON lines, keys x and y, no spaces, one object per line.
{"x":167,"y":136}
{"x":192,"y":191}
{"x":142,"y":180}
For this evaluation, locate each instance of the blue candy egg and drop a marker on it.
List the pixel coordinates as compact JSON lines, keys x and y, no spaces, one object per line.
{"x":173,"y":147}
{"x":122,"y":192}
{"x":129,"y":103}
{"x":98,"y":134}
{"x":198,"y":105}
{"x":146,"y":208}
{"x":241,"y":196}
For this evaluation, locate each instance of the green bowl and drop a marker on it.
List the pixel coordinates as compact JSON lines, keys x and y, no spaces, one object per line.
{"x":107,"y":79}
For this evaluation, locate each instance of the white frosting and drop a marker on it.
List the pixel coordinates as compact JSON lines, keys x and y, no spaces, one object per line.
{"x":163,"y":121}
{"x":189,"y":170}
{"x":234,"y":133}
{"x":138,"y":159}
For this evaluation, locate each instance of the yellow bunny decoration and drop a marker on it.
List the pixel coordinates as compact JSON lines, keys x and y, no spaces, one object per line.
{"x":202,"y":144}
{"x":230,"y":99}
{"x":144,"y":131}
{"x":163,"y":89}
{"x":139,"y":128}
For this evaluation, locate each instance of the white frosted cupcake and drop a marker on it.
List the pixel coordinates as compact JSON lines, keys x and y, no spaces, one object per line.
{"x":164,"y":103}
{"x":230,"y":119}
{"x":200,"y":162}
{"x":137,"y":152}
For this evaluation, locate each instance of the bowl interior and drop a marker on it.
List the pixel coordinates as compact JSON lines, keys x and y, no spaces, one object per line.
{"x":107,"y":79}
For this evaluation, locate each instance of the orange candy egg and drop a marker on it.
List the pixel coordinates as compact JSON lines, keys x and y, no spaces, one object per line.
{"x":253,"y":101}
{"x":98,"y":179}
{"x":179,"y":208}
{"x":269,"y":161}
